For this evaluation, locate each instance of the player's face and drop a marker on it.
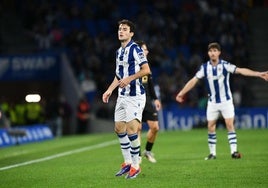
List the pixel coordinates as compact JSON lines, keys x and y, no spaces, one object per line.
{"x":124,"y":33}
{"x":214,"y":54}
{"x":145,"y":50}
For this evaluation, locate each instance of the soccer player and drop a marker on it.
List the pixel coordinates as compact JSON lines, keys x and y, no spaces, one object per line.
{"x":131,"y":66}
{"x":149,"y":115}
{"x":216,"y":72}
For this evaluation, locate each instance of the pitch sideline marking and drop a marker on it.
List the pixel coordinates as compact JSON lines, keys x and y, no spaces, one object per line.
{"x":104,"y":144}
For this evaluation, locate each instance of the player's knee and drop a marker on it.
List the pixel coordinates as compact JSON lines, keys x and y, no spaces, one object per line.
{"x":119,"y":130}
{"x":139,"y":128}
{"x":155,"y":128}
{"x":116,"y":130}
{"x":211,"y":127}
{"x":230,"y":127}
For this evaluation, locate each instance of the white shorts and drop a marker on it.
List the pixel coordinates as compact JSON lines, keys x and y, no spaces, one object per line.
{"x":128,"y":108}
{"x":226,"y":109}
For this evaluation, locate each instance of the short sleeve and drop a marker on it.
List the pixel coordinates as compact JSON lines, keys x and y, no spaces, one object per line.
{"x":230,"y":67}
{"x":200,"y":73}
{"x":139,"y":55}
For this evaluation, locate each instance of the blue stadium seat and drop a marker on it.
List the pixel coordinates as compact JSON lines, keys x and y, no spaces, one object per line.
{"x":91,"y":27}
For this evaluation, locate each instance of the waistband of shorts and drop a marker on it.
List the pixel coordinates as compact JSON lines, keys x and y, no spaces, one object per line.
{"x":223,"y":102}
{"x":127,"y":95}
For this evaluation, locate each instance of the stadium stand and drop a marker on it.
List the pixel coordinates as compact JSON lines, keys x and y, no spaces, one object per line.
{"x":177,"y":32}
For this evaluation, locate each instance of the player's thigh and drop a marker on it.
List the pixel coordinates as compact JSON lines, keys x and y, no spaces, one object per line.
{"x":134,"y":108}
{"x":212,"y":112}
{"x":227,"y":110}
{"x":120,"y":112}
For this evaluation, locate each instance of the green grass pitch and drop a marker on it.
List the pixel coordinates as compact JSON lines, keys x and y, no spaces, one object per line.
{"x":93,"y":160}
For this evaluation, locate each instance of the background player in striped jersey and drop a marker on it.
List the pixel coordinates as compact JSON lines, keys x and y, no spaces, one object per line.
{"x":131,"y":66}
{"x":216,"y":73}
{"x":150,"y":115}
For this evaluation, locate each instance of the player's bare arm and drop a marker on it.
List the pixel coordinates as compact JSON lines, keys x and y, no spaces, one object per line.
{"x":145,"y":69}
{"x":249,"y":72}
{"x":106,"y":95}
{"x":188,"y":86}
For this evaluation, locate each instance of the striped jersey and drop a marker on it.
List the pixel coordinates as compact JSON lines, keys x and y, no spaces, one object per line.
{"x":217,"y":80}
{"x":128,"y":62}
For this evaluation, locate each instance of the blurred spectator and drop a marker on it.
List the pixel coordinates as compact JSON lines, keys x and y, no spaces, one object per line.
{"x":4,"y":121}
{"x":83,"y":116}
{"x":58,"y":114}
{"x":43,"y":37}
{"x":34,"y":113}
{"x":20,"y":110}
{"x":65,"y":113}
{"x":237,"y":97}
{"x":88,"y":86}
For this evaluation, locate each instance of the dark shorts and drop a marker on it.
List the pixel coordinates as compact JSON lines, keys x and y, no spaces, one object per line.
{"x":149,"y":112}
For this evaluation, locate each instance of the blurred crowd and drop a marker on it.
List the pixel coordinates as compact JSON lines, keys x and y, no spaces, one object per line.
{"x":54,"y":112}
{"x":177,"y":33}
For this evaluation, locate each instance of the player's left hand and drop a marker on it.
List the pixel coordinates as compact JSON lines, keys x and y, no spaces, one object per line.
{"x":106,"y":96}
{"x":179,"y":98}
{"x":157,"y":104}
{"x":124,"y":82}
{"x":264,"y":75}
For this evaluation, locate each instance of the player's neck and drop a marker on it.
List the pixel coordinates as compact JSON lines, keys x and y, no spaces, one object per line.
{"x":125,"y":42}
{"x":214,"y":62}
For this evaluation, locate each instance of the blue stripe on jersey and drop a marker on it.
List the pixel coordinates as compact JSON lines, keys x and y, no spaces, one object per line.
{"x":131,"y":71}
{"x":122,"y":54}
{"x":121,"y":69}
{"x":216,"y":85}
{"x":206,"y":80}
{"x":225,"y":82}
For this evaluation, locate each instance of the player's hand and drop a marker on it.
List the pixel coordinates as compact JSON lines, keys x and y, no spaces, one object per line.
{"x":180,"y":98}
{"x":106,"y":96}
{"x":124,"y":82}
{"x":264,"y":75}
{"x":157,"y":104}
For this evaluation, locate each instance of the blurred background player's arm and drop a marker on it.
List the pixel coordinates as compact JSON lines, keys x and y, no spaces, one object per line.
{"x":152,"y":92}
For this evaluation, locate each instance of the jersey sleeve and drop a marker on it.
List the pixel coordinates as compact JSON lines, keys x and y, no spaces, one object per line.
{"x":200,"y":73}
{"x":139,"y":55}
{"x":230,"y":67}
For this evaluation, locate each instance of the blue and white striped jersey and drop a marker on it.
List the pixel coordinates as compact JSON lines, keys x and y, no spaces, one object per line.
{"x":217,"y":80}
{"x":128,"y":62}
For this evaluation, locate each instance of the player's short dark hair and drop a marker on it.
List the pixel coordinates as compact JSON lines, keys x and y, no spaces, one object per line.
{"x":140,"y":43}
{"x":214,"y":45}
{"x":129,"y":23}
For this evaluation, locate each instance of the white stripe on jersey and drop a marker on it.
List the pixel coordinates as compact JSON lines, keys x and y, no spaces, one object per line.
{"x":217,"y":80}
{"x":128,"y":62}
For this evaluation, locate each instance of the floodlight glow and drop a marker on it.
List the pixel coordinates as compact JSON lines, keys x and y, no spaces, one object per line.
{"x":33,"y":98}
